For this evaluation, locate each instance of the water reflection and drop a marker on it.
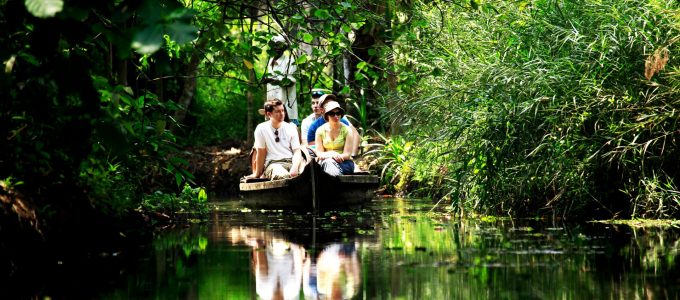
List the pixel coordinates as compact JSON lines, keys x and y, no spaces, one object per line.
{"x":283,"y":269}
{"x":399,"y":249}
{"x":338,"y":272}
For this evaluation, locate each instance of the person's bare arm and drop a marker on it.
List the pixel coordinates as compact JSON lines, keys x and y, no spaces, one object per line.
{"x":355,"y":141}
{"x":260,"y":154}
{"x":319,"y":144}
{"x":349,"y":147}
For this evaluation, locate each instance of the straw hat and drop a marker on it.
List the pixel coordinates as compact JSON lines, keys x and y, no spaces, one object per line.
{"x":331,"y":105}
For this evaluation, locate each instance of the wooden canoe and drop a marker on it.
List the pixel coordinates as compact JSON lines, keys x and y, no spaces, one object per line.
{"x":313,"y":189}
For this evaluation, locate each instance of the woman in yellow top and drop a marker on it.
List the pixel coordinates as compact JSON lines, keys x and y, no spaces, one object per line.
{"x":332,"y":150}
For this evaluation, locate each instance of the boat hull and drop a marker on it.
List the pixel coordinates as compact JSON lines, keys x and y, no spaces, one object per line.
{"x":313,"y":189}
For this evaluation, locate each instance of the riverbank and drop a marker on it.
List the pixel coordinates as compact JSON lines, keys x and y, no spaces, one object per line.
{"x":218,"y":168}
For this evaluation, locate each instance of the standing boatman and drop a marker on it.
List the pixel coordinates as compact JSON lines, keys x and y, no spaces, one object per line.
{"x":281,"y":84}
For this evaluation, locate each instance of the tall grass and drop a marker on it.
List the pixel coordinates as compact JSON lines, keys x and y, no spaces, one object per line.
{"x":547,"y":107}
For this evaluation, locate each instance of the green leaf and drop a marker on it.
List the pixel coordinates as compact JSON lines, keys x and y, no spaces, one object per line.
{"x":178,"y":178}
{"x":437,"y":72}
{"x":179,"y":160}
{"x":140,"y":102}
{"x":301,"y":59}
{"x":248,"y":64}
{"x":202,"y":195}
{"x":361,"y":65}
{"x":307,"y":37}
{"x":148,"y":40}
{"x":181,"y":32}
{"x":322,"y":14}
{"x":160,"y":126}
{"x":181,"y":13}
{"x":29,"y":58}
{"x":44,"y":8}
{"x":297,"y":19}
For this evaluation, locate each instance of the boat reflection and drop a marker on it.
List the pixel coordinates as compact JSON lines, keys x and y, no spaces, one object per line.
{"x":283,"y":269}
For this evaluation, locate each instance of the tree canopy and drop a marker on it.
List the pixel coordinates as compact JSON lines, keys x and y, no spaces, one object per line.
{"x":510,"y":107}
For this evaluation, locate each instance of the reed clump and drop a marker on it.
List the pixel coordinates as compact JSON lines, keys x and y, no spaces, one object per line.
{"x":565,"y":108}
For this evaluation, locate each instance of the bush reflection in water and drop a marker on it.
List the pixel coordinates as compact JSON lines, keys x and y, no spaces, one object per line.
{"x":400,"y":249}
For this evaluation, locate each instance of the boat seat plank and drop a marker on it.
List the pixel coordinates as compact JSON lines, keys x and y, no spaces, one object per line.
{"x":249,"y":180}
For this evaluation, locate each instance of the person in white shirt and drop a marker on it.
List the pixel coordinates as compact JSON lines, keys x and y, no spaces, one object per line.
{"x":277,"y":145}
{"x":280,"y":80}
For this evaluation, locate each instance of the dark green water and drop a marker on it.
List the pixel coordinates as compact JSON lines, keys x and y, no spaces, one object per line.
{"x":395,"y":249}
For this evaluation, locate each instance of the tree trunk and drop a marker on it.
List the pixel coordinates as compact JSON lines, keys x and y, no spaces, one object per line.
{"x":189,"y":88}
{"x":249,"y":118}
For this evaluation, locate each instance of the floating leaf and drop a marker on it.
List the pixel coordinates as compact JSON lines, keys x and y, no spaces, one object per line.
{"x":44,"y":8}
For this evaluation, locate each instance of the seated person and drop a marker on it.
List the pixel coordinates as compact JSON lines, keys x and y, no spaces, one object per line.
{"x":333,"y":147}
{"x":317,"y":113}
{"x":277,"y":145}
{"x":311,"y":131}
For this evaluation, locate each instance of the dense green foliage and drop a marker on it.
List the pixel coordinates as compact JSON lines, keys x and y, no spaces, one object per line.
{"x":526,"y":107}
{"x":563,"y":107}
{"x":100,"y":97}
{"x":84,"y":126}
{"x":191,"y":201}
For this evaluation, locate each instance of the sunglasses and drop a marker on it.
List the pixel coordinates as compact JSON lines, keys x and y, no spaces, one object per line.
{"x":276,"y":132}
{"x":334,"y":113}
{"x":317,"y":94}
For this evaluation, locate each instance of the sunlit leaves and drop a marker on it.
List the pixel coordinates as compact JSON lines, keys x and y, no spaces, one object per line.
{"x":301,"y":59}
{"x":44,"y":8}
{"x":9,"y":64}
{"x":248,"y":64}
{"x":308,"y":38}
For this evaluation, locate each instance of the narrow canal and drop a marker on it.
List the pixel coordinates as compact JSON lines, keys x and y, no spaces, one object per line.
{"x":396,"y":249}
